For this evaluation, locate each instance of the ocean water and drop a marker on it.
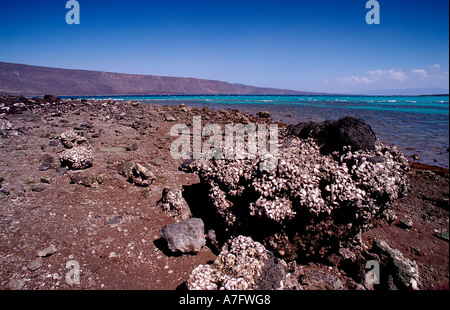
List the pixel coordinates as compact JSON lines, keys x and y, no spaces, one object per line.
{"x":417,"y":125}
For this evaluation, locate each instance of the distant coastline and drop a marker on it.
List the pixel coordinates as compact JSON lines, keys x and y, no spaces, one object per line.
{"x":29,"y":80}
{"x":26,"y":80}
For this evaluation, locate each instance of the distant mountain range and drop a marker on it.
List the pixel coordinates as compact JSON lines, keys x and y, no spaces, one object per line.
{"x":19,"y":79}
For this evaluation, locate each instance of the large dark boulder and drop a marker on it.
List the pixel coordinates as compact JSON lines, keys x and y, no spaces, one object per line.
{"x":333,"y":135}
{"x":52,"y":98}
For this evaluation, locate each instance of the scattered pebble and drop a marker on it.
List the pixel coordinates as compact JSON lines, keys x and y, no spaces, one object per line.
{"x":47,"y":251}
{"x":36,"y":264}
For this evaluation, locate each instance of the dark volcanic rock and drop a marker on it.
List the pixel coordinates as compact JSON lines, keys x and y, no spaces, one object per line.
{"x":52,"y":98}
{"x":47,"y":163}
{"x":318,"y":277}
{"x":263,"y":114}
{"x":333,"y":135}
{"x":132,"y":147}
{"x":272,"y":274}
{"x":187,"y":236}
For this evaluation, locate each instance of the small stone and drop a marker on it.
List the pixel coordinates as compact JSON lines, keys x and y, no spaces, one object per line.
{"x":80,"y":179}
{"x":37,"y":188}
{"x":443,"y":234}
{"x":16,"y":284}
{"x":406,"y":223}
{"x":415,"y":157}
{"x":112,"y":255}
{"x":170,"y":118}
{"x":36,"y":264}
{"x":92,"y":230}
{"x":46,"y":180}
{"x":47,"y":251}
{"x":47,"y":163}
{"x":263,"y":114}
{"x":61,"y":170}
{"x":53,"y":143}
{"x":158,"y":161}
{"x":114,"y":220}
{"x":132,"y":147}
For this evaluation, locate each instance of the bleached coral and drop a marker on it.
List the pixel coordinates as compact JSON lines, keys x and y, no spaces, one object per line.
{"x":236,"y":268}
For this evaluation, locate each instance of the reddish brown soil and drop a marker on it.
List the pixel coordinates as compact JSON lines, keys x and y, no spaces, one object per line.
{"x":427,"y":207}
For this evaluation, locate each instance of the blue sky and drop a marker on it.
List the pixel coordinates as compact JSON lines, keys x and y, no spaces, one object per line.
{"x":302,"y":45}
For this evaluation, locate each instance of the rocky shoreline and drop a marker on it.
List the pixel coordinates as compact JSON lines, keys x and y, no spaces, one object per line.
{"x":94,"y":182}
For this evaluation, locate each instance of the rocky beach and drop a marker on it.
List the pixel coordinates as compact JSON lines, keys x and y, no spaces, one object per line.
{"x":93,"y":182}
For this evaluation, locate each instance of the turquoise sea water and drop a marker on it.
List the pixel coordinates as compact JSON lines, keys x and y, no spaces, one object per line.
{"x":417,"y":125}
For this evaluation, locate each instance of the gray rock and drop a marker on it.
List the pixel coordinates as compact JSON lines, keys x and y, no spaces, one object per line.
{"x":85,"y":180}
{"x":47,"y":251}
{"x":37,"y":188}
{"x":114,"y":220}
{"x":36,"y":264}
{"x":187,"y":236}
{"x":16,"y":284}
{"x":272,"y":275}
{"x":47,"y":163}
{"x":405,"y":272}
{"x":316,"y":277}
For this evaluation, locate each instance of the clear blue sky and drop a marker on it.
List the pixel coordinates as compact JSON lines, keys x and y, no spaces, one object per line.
{"x":302,"y":45}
